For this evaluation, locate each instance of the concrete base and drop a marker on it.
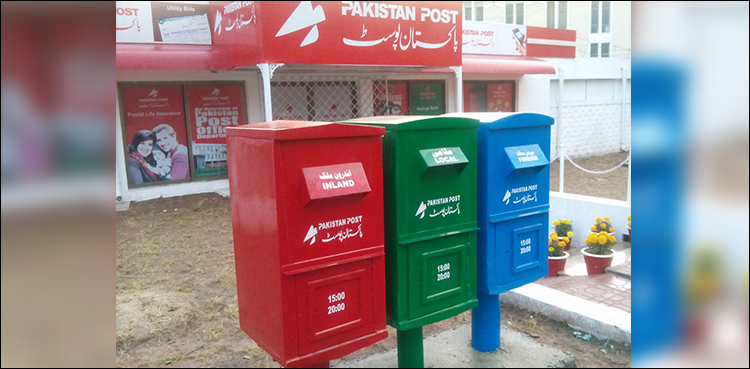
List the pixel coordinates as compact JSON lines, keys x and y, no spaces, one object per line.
{"x":224,"y":192}
{"x":122,"y":206}
{"x":604,"y":322}
{"x":452,"y":349}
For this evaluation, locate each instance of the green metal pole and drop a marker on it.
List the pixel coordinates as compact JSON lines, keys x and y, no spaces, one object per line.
{"x":410,"y":348}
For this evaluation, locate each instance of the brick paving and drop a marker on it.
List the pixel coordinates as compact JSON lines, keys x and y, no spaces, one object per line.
{"x":622,"y":270}
{"x":606,"y":289}
{"x":609,"y":289}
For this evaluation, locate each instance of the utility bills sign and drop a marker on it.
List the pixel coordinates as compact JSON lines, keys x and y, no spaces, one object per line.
{"x":362,"y":32}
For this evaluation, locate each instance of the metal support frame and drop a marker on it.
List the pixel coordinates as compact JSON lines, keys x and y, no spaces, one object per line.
{"x":266,"y":71}
{"x":410,"y":348}
{"x":459,"y":72}
{"x":485,"y":323}
{"x":560,"y":148}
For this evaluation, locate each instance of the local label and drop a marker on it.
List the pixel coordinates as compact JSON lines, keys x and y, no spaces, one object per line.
{"x":335,"y":230}
{"x":443,"y":206}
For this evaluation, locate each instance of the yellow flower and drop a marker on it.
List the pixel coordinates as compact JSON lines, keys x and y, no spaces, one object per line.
{"x":553,"y":236}
{"x":628,"y":224}
{"x":602,"y":240}
{"x":549,"y":242}
{"x":566,"y":239}
{"x":602,"y":233}
{"x":565,"y":221}
{"x":551,"y":249}
{"x":561,"y":244}
{"x":611,"y":230}
{"x":603,"y":225}
{"x":598,"y":220}
{"x":628,"y":218}
{"x":570,"y":234}
{"x":593,"y":228}
{"x":606,"y":218}
{"x":557,"y":222}
{"x":612,"y":239}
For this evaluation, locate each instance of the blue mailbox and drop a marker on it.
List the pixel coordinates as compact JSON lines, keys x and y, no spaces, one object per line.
{"x":513,"y":212}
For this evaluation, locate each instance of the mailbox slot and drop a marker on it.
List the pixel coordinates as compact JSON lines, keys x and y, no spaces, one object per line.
{"x":335,"y":180}
{"x":527,"y":156}
{"x":444,"y":156}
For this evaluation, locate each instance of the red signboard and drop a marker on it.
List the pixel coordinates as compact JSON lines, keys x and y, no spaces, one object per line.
{"x":500,"y":97}
{"x":551,"y":42}
{"x":236,"y":28}
{"x":154,"y":128}
{"x":359,"y":32}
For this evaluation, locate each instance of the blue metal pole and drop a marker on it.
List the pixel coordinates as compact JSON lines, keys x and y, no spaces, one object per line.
{"x":485,"y":323}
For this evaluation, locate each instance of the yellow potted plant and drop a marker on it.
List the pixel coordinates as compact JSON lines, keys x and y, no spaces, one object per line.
{"x":603,"y":225}
{"x":598,"y":254}
{"x":630,"y":236}
{"x":564,"y":230}
{"x":557,"y":255}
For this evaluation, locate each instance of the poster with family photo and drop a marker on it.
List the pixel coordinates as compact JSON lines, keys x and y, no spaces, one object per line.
{"x":155,"y":133}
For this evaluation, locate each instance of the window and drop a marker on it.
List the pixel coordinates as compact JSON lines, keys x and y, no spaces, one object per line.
{"x":514,"y":13}
{"x":605,"y":50}
{"x":474,"y":10}
{"x":557,"y":14}
{"x":601,"y":36}
{"x":600,"y":15}
{"x":489,"y":96}
{"x":600,"y":50}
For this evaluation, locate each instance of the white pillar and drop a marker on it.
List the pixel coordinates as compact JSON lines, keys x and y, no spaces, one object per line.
{"x":121,"y":176}
{"x":630,"y":166}
{"x":622,"y":112}
{"x":266,"y":71}
{"x":560,"y":148}
{"x":459,"y":72}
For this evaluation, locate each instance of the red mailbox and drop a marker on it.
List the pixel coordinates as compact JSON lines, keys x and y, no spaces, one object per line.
{"x":307,"y":213}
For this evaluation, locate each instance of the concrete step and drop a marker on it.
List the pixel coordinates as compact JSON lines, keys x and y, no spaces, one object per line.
{"x":452,"y":349}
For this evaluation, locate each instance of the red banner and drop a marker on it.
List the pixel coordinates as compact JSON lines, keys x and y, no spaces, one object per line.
{"x":501,"y":97}
{"x":212,"y":109}
{"x":394,"y":101}
{"x":154,"y":128}
{"x":359,"y":32}
{"x":236,"y":28}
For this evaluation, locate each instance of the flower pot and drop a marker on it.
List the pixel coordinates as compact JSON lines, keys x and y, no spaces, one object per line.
{"x":630,"y":237}
{"x":595,"y":264}
{"x":557,"y":264}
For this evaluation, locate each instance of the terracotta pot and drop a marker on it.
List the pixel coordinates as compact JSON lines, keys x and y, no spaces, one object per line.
{"x":630,"y":236}
{"x":557,"y":264}
{"x":595,"y":264}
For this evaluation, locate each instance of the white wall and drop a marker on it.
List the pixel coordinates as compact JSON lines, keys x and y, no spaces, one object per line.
{"x":592,"y":106}
{"x":583,"y":211}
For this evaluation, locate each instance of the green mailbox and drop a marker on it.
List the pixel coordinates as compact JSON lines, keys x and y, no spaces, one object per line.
{"x":430,"y":191}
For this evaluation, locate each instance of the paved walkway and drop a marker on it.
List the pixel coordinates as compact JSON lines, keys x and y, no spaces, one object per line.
{"x":609,"y":289}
